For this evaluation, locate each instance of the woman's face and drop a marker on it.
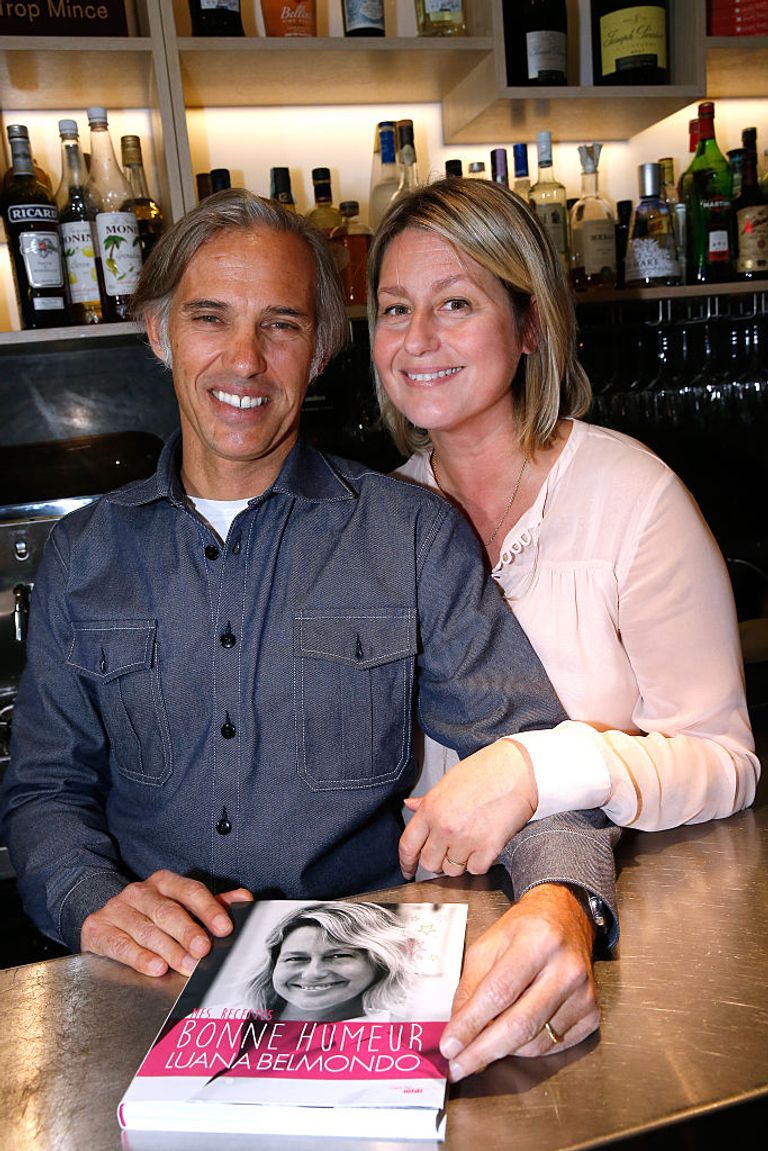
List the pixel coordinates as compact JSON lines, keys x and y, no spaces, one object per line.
{"x":446,"y":343}
{"x":314,"y":974}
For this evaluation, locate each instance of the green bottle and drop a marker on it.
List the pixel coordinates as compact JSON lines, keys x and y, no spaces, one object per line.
{"x":707,"y":189}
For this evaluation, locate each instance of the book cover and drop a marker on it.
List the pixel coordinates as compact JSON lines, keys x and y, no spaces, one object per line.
{"x":311,"y":1018}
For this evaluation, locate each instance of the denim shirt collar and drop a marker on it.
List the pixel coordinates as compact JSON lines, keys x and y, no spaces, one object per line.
{"x":306,"y":474}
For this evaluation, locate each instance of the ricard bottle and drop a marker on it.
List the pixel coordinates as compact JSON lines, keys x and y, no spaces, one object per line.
{"x":145,"y":208}
{"x":117,"y":228}
{"x":32,"y":230}
{"x":77,"y":215}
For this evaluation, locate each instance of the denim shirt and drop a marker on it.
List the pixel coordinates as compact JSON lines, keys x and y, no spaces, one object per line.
{"x":242,"y":712}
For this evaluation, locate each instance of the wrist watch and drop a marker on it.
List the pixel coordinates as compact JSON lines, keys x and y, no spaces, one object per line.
{"x":597,"y":911}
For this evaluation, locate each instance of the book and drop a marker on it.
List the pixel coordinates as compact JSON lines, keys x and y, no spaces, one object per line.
{"x":311,"y":1018}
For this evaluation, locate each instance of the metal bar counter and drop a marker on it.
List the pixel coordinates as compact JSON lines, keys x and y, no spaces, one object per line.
{"x":685,"y":1019}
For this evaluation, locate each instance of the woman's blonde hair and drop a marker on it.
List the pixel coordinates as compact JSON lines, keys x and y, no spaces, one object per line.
{"x":497,"y":229}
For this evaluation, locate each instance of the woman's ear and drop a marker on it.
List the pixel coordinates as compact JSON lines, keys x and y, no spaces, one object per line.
{"x":531,"y":332}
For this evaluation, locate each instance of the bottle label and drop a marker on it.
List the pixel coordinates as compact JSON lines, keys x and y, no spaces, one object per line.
{"x":633,"y":37}
{"x":32,"y":214}
{"x":650,"y":259}
{"x":80,"y":261}
{"x":41,"y":253}
{"x":226,"y":5}
{"x":546,"y":52}
{"x":753,"y":239}
{"x":364,"y":14}
{"x":444,"y":9}
{"x":598,"y":238}
{"x":120,"y":251}
{"x":387,"y":145}
{"x":553,"y":219}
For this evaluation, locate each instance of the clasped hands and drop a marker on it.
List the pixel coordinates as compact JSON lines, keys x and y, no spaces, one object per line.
{"x":532,"y":967}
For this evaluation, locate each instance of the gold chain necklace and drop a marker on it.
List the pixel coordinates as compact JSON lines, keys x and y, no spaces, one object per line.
{"x":507,"y":509}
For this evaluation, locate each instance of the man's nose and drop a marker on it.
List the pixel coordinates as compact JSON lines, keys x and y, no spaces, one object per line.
{"x":244,"y":354}
{"x":421,"y":334}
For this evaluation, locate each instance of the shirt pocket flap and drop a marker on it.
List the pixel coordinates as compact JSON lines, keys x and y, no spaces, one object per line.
{"x":358,"y":639}
{"x":107,"y":649}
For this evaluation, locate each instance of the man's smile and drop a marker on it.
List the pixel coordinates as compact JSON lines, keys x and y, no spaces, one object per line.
{"x":236,"y":401}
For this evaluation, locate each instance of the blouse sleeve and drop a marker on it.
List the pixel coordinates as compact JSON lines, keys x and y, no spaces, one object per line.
{"x":694,"y":757}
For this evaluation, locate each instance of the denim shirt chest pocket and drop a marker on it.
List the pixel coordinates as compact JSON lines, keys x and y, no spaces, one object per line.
{"x":353,"y":689}
{"x":120,"y":658}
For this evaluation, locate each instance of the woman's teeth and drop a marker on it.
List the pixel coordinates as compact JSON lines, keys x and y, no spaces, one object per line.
{"x":425,"y":377}
{"x":240,"y":401}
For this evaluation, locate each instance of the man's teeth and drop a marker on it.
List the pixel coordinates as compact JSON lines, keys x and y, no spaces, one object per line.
{"x":425,"y":377}
{"x":240,"y":401}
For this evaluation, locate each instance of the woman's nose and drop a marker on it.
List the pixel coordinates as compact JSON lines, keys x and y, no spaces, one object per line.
{"x":421,"y":334}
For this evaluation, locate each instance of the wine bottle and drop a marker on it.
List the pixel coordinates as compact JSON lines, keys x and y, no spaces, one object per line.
{"x":117,"y":228}
{"x":593,"y":229}
{"x":77,"y":215}
{"x":32,"y":232}
{"x":351,"y":241}
{"x":499,"y":167}
{"x":289,"y":17}
{"x":216,"y":18}
{"x":751,"y":213}
{"x":280,"y":188}
{"x":707,"y":187}
{"x":441,"y":18}
{"x":363,"y":17}
{"x":384,"y":177}
{"x":406,"y":151}
{"x":651,"y":257}
{"x":323,"y":215}
{"x":545,"y":26}
{"x":145,"y":208}
{"x":549,"y":200}
{"x":629,"y":42}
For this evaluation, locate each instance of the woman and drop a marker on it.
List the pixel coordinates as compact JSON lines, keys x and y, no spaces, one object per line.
{"x":595,"y":544}
{"x":334,"y":961}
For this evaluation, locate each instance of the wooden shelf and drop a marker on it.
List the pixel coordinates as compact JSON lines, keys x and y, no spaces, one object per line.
{"x":69,"y":338}
{"x":737,"y":66}
{"x":683,"y":292}
{"x":59,"y":72}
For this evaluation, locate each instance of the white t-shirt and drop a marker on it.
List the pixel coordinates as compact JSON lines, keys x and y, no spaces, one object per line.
{"x":626,"y":599}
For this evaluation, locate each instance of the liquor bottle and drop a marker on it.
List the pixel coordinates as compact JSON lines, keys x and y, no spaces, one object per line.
{"x":117,"y":228}
{"x":623,"y":221}
{"x":440,"y":18}
{"x":693,"y":143}
{"x":32,"y":232}
{"x":593,"y":229}
{"x":522,"y":185}
{"x":406,"y":150}
{"x":363,"y":17}
{"x":515,"y":54}
{"x":41,"y":174}
{"x":545,"y":27}
{"x":651,"y":257}
{"x":763,"y":181}
{"x":280,"y":188}
{"x":735,"y":158}
{"x":709,"y":210}
{"x":454,"y":168}
{"x":289,"y":17}
{"x":77,"y":215}
{"x":216,"y":18}
{"x":548,"y":198}
{"x":476,"y":170}
{"x":751,"y":213}
{"x":670,"y":192}
{"x":324,"y":215}
{"x":499,"y":167}
{"x":221,"y":179}
{"x":203,"y":184}
{"x":145,"y":208}
{"x":629,"y":42}
{"x":351,"y":241}
{"x":384,"y":178}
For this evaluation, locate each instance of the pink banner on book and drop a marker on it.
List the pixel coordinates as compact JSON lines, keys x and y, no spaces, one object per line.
{"x":349,"y":1049}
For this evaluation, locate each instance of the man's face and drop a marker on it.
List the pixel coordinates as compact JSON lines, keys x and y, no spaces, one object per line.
{"x":242,"y":337}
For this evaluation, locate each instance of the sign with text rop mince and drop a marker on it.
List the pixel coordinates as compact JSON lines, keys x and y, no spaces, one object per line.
{"x":312,"y":1018}
{"x":63,"y":18}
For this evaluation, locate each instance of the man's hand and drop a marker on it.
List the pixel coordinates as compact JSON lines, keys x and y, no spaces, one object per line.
{"x":533,"y":967}
{"x":160,"y":923}
{"x":464,"y":821}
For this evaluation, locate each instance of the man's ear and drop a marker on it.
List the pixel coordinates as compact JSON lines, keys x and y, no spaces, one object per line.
{"x":153,"y":335}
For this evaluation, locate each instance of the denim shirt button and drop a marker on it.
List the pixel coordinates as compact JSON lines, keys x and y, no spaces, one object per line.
{"x":228,"y":729}
{"x":228,"y":638}
{"x":211,"y":552}
{"x":224,"y":825}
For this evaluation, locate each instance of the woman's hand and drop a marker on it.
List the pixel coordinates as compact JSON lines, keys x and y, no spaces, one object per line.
{"x":464,"y":821}
{"x":532,"y":968}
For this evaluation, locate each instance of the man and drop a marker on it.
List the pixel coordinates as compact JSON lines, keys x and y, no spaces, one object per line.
{"x":224,"y":660}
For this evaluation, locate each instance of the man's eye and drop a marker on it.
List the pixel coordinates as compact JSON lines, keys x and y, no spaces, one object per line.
{"x":206,"y":318}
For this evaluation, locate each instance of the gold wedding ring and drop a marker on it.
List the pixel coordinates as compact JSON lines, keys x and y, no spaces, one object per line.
{"x":552,"y":1033}
{"x":454,"y":862}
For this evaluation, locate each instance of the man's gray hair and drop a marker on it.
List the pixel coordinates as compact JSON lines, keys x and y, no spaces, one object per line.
{"x":238,"y":210}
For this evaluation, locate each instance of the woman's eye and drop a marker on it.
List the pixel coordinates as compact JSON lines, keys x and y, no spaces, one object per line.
{"x":456,"y":305}
{"x":393,"y":310}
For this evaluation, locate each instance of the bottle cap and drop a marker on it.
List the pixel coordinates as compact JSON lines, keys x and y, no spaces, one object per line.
{"x":68,"y":127}
{"x":649,"y":179}
{"x":220,"y":179}
{"x":544,"y":146}
{"x":520,"y":157}
{"x":96,"y":115}
{"x":454,"y":168}
{"x":321,"y":175}
{"x":590,"y":157}
{"x":349,"y":208}
{"x":130,"y":147}
{"x":280,"y":179}
{"x":477,"y":166}
{"x":707,"y":108}
{"x":499,"y":163}
{"x":17,"y":132}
